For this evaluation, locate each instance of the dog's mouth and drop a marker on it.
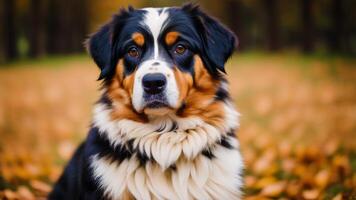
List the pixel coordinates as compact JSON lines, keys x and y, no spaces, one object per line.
{"x":155,"y":101}
{"x":156,"y":105}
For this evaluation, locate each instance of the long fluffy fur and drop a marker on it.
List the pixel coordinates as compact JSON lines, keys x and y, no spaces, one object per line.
{"x":177,"y":150}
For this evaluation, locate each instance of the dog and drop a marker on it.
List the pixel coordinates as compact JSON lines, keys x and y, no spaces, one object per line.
{"x":164,"y":126}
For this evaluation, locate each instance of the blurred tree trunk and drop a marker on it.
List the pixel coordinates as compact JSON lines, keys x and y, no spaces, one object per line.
{"x":9,"y":27}
{"x":58,"y":32}
{"x":37,"y":29}
{"x":338,"y":26}
{"x":308,"y":25}
{"x":272,"y":25}
{"x":79,"y":24}
{"x":234,"y":12}
{"x":67,"y":26}
{"x":2,"y":28}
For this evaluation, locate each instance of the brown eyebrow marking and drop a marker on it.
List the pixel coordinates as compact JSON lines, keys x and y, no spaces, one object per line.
{"x":138,"y":38}
{"x":171,"y":37}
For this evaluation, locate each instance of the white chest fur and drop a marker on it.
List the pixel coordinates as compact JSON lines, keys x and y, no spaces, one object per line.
{"x":177,"y":169}
{"x":201,"y":178}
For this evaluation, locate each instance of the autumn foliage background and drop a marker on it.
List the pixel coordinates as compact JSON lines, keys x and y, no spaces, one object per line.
{"x":293,"y":80}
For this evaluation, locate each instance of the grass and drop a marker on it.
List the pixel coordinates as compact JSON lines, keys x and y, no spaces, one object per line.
{"x":297,"y":124}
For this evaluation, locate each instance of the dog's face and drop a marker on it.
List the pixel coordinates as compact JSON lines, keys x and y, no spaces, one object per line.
{"x":158,"y":61}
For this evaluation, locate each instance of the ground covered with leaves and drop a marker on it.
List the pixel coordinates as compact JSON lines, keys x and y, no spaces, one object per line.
{"x":298,"y":123}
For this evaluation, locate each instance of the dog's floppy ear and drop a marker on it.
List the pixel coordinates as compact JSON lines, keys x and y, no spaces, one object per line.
{"x":218,"y":41}
{"x":100,"y":45}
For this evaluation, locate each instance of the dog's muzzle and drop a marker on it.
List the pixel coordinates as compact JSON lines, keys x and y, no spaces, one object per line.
{"x":154,"y":85}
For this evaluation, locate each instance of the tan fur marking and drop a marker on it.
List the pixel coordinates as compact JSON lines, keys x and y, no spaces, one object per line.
{"x":184,"y":83}
{"x":171,"y":37}
{"x":138,"y":38}
{"x":200,"y":97}
{"x":119,"y":91}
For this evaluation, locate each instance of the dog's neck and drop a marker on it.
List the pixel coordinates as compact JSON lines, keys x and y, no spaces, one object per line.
{"x":164,"y":139}
{"x":183,"y":158}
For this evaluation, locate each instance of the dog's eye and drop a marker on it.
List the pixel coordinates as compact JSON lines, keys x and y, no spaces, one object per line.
{"x":180,"y":49}
{"x":133,"y":52}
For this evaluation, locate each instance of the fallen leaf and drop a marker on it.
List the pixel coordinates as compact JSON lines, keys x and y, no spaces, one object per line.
{"x":40,"y":186}
{"x":265,"y":181}
{"x":274,"y":189}
{"x":293,"y":189}
{"x":265,"y":163}
{"x":310,"y":194}
{"x":322,"y":178}
{"x":288,"y":165}
{"x":330,"y":147}
{"x":24,"y":193}
{"x":338,"y":197}
{"x":8,"y":194}
{"x":250,"y":181}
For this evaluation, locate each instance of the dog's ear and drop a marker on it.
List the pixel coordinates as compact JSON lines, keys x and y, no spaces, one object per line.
{"x":100,"y":45}
{"x":218,"y":41}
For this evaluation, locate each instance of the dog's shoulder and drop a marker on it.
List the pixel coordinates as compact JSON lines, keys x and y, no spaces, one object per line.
{"x":77,"y":181}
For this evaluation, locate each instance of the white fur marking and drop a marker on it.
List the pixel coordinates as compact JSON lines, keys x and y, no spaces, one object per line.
{"x":171,"y":91}
{"x":201,"y":178}
{"x":155,"y":22}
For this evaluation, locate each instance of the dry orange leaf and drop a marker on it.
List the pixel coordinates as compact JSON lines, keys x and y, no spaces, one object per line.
{"x":265,"y":163}
{"x":341,"y":162}
{"x":322,"y":178}
{"x":250,"y":181}
{"x":273,"y":190}
{"x":338,"y":197}
{"x":265,"y":181}
{"x":293,"y":189}
{"x":288,"y":165}
{"x":311,"y":194}
{"x":40,"y":186}
{"x":24,"y":193}
{"x":8,"y":194}
{"x":330,"y":147}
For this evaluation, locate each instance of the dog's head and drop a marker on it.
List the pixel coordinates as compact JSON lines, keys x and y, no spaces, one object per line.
{"x":161,"y":61}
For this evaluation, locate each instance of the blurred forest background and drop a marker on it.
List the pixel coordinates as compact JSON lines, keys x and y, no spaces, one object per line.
{"x":293,"y":80}
{"x":35,"y":28}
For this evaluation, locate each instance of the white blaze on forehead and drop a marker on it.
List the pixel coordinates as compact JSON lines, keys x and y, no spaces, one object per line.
{"x":155,"y":20}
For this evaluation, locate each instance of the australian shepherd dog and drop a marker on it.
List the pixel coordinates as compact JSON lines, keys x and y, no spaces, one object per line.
{"x":164,"y":126}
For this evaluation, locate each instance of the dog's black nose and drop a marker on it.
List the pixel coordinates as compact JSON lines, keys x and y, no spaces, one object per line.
{"x":154,"y":83}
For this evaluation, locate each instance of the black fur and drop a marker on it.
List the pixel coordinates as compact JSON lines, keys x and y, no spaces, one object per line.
{"x":77,"y":181}
{"x":224,"y":141}
{"x":222,"y":94}
{"x":208,"y":153}
{"x":218,"y":41}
